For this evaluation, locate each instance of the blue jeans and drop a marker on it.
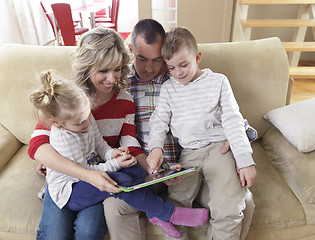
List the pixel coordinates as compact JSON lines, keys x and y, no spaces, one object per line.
{"x":64,"y":224}
{"x":144,"y":199}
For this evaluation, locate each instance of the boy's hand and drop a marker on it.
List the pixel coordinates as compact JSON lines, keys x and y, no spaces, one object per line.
{"x":155,"y":159}
{"x":248,"y":176}
{"x":126,"y":160}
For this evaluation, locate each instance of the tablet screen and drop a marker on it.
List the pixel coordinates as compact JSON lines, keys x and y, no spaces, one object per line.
{"x":155,"y":178}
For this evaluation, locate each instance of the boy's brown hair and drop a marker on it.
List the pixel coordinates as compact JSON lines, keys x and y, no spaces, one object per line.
{"x":176,"y":39}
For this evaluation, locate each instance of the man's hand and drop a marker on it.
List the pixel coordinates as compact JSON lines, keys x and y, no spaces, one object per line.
{"x":248,"y":176}
{"x":176,"y":180}
{"x":226,"y":147}
{"x":155,"y":159}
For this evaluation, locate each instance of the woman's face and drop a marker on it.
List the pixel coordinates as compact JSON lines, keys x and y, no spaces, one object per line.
{"x":105,"y":79}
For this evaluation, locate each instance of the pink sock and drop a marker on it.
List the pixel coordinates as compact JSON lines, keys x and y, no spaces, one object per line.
{"x":167,"y":227}
{"x":191,"y":217}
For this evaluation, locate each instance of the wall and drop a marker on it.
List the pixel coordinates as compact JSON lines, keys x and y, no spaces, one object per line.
{"x":209,"y":20}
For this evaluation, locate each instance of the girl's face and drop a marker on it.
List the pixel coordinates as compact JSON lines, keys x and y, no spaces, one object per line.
{"x":183,"y":66}
{"x":77,"y":124}
{"x":105,"y":79}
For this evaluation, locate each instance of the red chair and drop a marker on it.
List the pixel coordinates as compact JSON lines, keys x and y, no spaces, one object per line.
{"x":63,"y":16}
{"x":50,"y":18}
{"x":113,"y":17}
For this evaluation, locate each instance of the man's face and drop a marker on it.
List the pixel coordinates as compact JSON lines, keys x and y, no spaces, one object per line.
{"x":149,"y":62}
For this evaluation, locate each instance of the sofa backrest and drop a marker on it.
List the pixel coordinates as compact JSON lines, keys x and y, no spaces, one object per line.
{"x":20,"y":67}
{"x":258,"y":71}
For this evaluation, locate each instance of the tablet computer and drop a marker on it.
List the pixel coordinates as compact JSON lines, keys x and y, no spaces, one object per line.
{"x":156,"y":178}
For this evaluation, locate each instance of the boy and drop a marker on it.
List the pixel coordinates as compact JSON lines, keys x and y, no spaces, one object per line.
{"x":199,"y":107}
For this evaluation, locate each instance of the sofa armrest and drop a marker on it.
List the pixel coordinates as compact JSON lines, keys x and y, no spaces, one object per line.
{"x":9,"y":145}
{"x":295,"y":167}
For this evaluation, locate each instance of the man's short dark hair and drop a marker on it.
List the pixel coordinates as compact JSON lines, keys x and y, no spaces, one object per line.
{"x":149,"y":29}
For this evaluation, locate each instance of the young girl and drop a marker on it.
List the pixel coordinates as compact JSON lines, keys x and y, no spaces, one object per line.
{"x":75,"y":135}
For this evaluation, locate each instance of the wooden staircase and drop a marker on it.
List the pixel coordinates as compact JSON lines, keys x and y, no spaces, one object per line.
{"x":306,"y":18}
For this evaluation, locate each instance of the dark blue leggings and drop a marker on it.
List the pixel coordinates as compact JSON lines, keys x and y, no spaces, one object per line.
{"x":84,"y":194}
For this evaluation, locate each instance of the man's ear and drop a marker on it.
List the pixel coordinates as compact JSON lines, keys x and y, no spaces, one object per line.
{"x":198,"y":57}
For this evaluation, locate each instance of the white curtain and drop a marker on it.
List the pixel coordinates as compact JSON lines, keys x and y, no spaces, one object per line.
{"x":26,"y":23}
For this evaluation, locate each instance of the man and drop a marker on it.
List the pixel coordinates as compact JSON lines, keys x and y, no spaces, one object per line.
{"x":149,"y":71}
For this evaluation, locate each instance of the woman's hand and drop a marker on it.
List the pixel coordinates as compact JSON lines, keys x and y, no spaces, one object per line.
{"x":102,"y":181}
{"x":41,"y":169}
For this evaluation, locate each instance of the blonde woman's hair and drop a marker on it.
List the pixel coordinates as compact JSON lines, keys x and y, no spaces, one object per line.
{"x":100,"y":49}
{"x":176,"y":39}
{"x":57,"y":94}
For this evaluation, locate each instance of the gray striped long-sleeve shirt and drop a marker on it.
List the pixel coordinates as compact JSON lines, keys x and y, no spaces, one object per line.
{"x":79,"y":148}
{"x":200,"y":113}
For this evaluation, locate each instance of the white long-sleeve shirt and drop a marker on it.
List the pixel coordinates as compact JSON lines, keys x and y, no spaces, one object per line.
{"x":77,"y":147}
{"x":200,"y":113}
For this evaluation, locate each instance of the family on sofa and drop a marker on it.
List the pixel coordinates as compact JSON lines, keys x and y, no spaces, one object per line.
{"x":258,"y":72}
{"x":101,"y":65}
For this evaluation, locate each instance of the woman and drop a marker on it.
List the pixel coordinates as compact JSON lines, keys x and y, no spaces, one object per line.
{"x":101,"y":64}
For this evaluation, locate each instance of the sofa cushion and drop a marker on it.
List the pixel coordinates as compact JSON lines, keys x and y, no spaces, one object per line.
{"x":21,"y":208}
{"x":295,"y":167}
{"x":23,"y":64}
{"x":296,"y":123}
{"x":276,"y":205}
{"x":256,"y":79}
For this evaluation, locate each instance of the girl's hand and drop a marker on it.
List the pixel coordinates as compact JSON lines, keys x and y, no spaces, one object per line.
{"x":119,"y":152}
{"x":41,"y":169}
{"x":126,"y":160}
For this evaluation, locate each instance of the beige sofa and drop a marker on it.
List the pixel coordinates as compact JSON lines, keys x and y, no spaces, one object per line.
{"x":258,"y":72}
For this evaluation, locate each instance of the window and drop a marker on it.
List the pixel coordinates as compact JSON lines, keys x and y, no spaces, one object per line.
{"x":165,"y":12}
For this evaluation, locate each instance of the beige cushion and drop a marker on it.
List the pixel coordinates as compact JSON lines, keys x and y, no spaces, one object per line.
{"x":250,"y":67}
{"x":295,"y":167}
{"x":276,"y":205}
{"x":21,"y":208}
{"x":22,"y":64}
{"x":296,"y":123}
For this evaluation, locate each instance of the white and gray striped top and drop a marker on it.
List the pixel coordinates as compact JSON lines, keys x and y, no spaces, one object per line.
{"x":200,"y":113}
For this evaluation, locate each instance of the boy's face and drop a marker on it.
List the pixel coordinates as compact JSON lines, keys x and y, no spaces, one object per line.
{"x":183,"y":65}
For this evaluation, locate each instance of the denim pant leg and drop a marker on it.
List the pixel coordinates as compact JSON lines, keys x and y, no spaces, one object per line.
{"x":84,"y":195}
{"x":90,"y":223}
{"x":136,"y":171}
{"x":64,"y":224}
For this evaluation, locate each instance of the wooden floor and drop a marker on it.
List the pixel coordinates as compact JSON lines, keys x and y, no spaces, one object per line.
{"x":303,"y":88}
